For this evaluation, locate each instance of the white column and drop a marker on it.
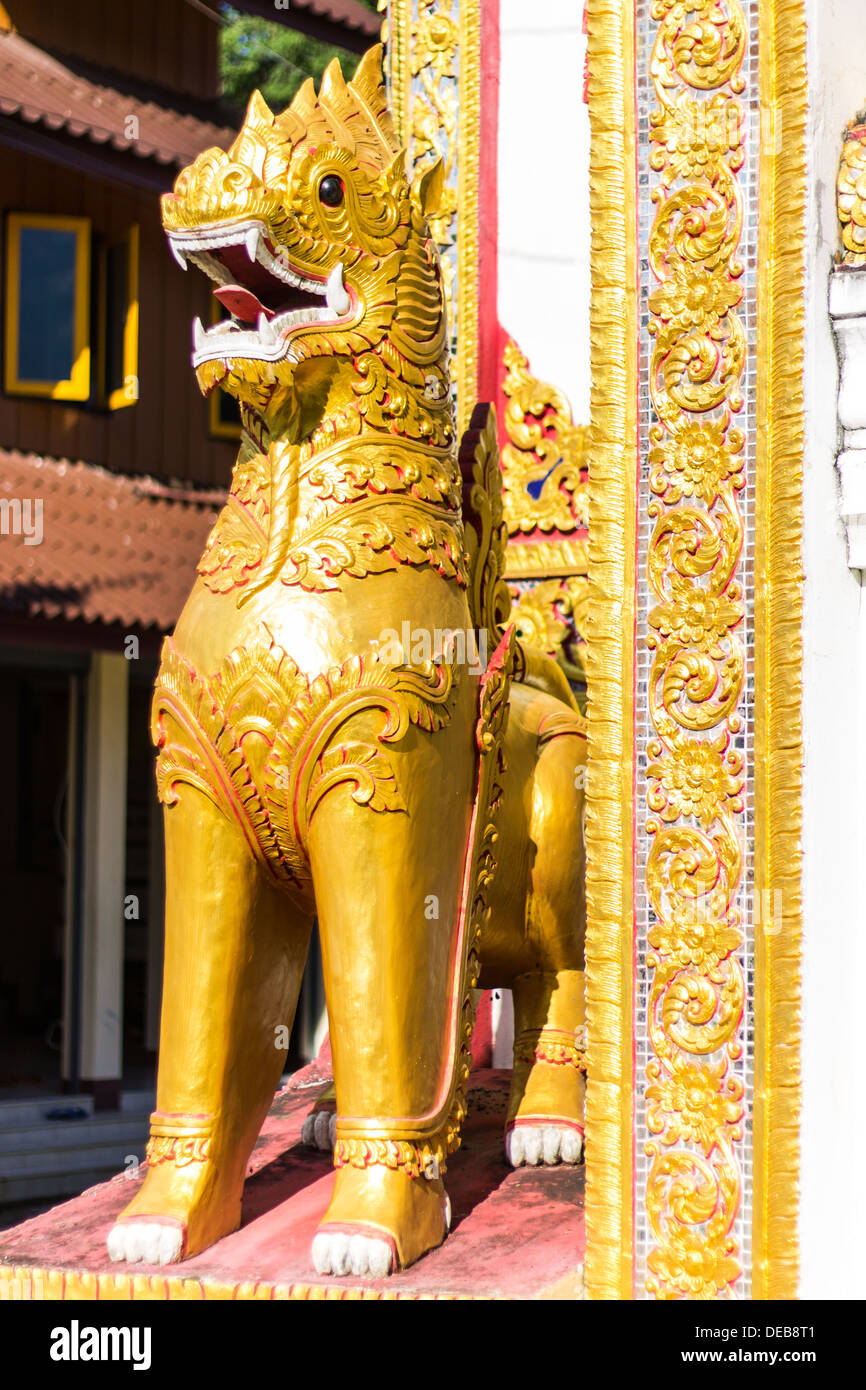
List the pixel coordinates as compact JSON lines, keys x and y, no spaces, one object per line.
{"x":543,"y":172}
{"x":155,"y":924}
{"x":104,"y":871}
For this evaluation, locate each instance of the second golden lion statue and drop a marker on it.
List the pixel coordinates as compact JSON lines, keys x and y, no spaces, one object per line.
{"x":427,"y":811}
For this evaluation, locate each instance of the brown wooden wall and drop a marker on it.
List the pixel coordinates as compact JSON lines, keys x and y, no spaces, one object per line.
{"x":166,"y":432}
{"x":164,"y":41}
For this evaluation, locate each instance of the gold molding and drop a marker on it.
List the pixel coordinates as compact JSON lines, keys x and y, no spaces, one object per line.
{"x":778,"y":650}
{"x":546,"y":559}
{"x":35,"y":1284}
{"x":610,"y":638}
{"x":467,"y":210}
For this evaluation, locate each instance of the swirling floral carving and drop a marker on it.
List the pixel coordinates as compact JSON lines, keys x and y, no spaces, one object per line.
{"x":695,"y":778}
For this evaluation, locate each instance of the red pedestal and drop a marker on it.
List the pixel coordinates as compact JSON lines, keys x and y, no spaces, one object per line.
{"x":515,"y":1235}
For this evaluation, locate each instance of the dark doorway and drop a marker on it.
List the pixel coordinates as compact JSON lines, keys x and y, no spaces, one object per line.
{"x":34,"y":714}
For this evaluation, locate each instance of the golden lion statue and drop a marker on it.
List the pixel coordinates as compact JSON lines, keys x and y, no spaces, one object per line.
{"x":425,"y":805}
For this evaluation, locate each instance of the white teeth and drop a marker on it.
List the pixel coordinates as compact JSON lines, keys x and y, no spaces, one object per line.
{"x":198,"y":334}
{"x":177,"y":253}
{"x":252,"y":243}
{"x":335,"y":291}
{"x":266,"y":329}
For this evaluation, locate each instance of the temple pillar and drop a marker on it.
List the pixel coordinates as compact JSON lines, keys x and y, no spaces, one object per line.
{"x":93,"y":1060}
{"x":832,"y":1201}
{"x":155,"y":922}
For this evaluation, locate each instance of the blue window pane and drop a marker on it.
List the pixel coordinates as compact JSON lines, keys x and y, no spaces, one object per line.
{"x":46,"y":305}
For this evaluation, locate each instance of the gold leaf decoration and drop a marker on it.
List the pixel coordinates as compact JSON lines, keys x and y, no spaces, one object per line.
{"x":544,"y":464}
{"x":695,"y":1107}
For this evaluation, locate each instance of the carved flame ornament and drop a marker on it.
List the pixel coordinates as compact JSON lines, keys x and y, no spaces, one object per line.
{"x":546,"y":458}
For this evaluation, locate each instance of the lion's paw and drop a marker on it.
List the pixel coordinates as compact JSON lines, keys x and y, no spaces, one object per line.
{"x":145,"y":1242}
{"x":335,"y":1252}
{"x":319,"y":1130}
{"x":534,"y":1145}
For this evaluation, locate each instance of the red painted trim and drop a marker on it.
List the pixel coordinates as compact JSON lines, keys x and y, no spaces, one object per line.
{"x":489,"y":331}
{"x":542,"y":1121}
{"x":482,"y":1033}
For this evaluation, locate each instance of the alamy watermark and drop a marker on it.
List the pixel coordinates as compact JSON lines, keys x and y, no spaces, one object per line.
{"x":22,"y":516}
{"x":444,"y":646}
{"x":77,"y":1343}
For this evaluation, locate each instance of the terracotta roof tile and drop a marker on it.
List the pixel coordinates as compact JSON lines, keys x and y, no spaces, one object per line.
{"x":113,"y":548}
{"x":37,"y":88}
{"x":349,"y":13}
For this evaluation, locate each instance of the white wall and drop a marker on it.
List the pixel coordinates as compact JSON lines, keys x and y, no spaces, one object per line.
{"x":544,"y":192}
{"x":833,"y":1207}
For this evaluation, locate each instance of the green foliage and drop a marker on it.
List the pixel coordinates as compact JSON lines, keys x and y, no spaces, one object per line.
{"x":259,"y":53}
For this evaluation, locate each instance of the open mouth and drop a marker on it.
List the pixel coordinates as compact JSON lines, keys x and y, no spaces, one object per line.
{"x":265,"y":296}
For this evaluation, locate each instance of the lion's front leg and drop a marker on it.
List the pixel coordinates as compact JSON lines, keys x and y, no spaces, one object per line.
{"x":388,"y":890}
{"x":235,"y":950}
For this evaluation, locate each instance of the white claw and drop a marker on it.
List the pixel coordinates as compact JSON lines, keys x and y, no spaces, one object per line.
{"x":323,"y":1130}
{"x":335,"y":292}
{"x":252,"y":243}
{"x":177,"y":253}
{"x":308,"y":1130}
{"x":362,"y":1256}
{"x":550,"y":1145}
{"x":198,"y":334}
{"x":145,"y":1242}
{"x":357,"y":1259}
{"x":340,"y":1254}
{"x":532,"y":1145}
{"x":571,"y":1147}
{"x":266,"y":330}
{"x":379,"y":1258}
{"x":322,"y":1254}
{"x":169,"y":1245}
{"x":135,"y":1243}
{"x":543,"y":1144}
{"x":447,"y":1212}
{"x":332,"y":1130}
{"x":116,"y":1244}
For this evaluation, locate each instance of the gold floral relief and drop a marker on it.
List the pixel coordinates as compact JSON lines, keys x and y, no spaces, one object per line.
{"x":851,"y":194}
{"x":695,"y":775}
{"x":552,"y":617}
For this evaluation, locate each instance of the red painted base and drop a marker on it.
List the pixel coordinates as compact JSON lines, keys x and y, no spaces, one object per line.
{"x":515,"y":1235}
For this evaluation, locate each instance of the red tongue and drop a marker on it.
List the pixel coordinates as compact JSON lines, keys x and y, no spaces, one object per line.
{"x":242,"y":303}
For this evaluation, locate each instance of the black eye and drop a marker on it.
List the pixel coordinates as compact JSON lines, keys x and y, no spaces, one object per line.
{"x":331,"y":191}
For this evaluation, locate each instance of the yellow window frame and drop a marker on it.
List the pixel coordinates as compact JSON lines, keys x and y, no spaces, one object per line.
{"x":77,"y":386}
{"x":220,"y":429}
{"x":129,"y":392}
